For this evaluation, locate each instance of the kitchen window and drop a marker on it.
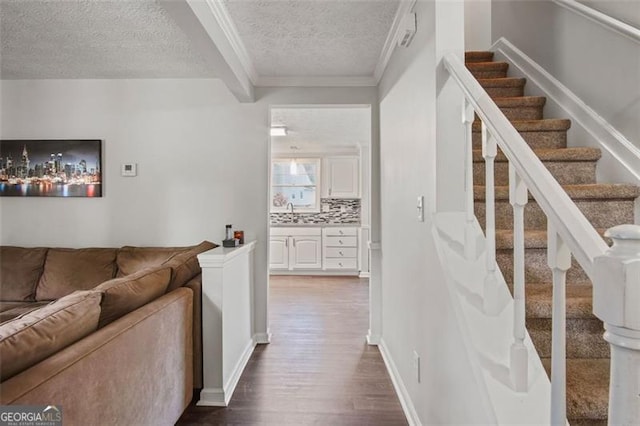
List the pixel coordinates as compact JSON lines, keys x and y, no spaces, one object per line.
{"x":295,"y":181}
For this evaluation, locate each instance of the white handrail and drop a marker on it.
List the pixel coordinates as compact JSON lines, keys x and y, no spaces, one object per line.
{"x":570,"y":223}
{"x":603,"y":19}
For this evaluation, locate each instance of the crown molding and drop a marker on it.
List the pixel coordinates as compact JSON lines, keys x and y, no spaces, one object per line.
{"x":404,"y":7}
{"x":221,"y":14}
{"x":316,"y":81}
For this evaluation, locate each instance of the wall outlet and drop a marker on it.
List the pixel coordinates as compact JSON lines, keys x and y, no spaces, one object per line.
{"x":416,"y":366}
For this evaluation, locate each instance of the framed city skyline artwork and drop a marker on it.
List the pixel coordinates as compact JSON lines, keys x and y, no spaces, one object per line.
{"x":51,"y":168}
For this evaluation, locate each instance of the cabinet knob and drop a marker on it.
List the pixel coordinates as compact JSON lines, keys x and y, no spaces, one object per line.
{"x":341,"y":233}
{"x":340,"y":241}
{"x":340,"y":263}
{"x":341,"y":254}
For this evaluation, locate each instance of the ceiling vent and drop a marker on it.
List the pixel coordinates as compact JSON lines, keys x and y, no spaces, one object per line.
{"x":407,"y":30}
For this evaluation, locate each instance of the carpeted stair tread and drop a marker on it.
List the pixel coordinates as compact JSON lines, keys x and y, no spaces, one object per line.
{"x":520,"y":101}
{"x":551,"y":155}
{"x":533,"y":238}
{"x":596,"y":191}
{"x":478,"y":56}
{"x":539,"y":301}
{"x":587,"y":389}
{"x":488,"y":69}
{"x":545,"y":125}
{"x":502,"y":82}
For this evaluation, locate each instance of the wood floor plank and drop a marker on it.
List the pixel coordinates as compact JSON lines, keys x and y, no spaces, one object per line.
{"x":318,"y":369}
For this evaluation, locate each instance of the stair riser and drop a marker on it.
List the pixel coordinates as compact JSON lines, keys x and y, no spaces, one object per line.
{"x":505,"y":92}
{"x":584,"y":337}
{"x":536,"y":140}
{"x":490,"y":73}
{"x":536,"y":268}
{"x":522,"y":113}
{"x":601,"y":213}
{"x":475,"y":57}
{"x":566,"y":173}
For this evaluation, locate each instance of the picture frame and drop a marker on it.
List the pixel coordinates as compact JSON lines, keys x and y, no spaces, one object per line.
{"x":51,"y":168}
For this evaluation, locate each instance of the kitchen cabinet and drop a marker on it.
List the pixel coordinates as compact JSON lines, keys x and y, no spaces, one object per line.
{"x":293,"y":249}
{"x":340,"y":249}
{"x":279,"y":252}
{"x":341,"y":177}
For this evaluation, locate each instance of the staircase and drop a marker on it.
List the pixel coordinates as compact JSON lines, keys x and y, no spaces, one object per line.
{"x":604,"y":205}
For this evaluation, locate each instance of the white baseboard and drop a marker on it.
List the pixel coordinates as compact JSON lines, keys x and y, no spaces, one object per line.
{"x":373,"y":339}
{"x":216,"y":397}
{"x":365,"y":274}
{"x":262,"y":338}
{"x":610,"y":139}
{"x":231,"y":384}
{"x":403,"y":395}
{"x":211,"y":397}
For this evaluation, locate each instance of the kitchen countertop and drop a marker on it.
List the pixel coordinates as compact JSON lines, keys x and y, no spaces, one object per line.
{"x":315,"y":225}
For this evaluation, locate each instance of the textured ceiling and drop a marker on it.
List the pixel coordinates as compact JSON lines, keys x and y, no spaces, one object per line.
{"x":94,"y":39}
{"x":287,"y":38}
{"x":319,"y":129}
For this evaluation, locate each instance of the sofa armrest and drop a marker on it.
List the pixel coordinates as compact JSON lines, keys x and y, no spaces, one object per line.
{"x":195,"y":284}
{"x":136,"y":370}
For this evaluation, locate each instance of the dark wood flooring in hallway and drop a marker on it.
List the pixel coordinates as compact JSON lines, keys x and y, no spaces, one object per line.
{"x":318,"y":369}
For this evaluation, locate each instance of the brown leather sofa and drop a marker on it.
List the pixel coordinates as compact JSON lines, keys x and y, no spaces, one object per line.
{"x":113,"y":336}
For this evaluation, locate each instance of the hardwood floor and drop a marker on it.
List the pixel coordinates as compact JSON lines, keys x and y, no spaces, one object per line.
{"x":317,"y":369}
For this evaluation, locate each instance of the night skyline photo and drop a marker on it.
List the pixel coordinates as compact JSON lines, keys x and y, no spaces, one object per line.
{"x":51,"y":168}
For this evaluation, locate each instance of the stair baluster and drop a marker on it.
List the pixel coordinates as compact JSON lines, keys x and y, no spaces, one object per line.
{"x":490,"y":292}
{"x":518,"y":197}
{"x":559,"y":260}
{"x":471,"y":243}
{"x":616,"y":301}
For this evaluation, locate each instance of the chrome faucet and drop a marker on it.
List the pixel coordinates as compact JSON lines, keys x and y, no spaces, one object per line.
{"x":290,"y":205}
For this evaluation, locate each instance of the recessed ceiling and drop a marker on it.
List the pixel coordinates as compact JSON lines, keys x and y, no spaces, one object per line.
{"x":94,"y":39}
{"x":290,"y":38}
{"x":319,"y":129}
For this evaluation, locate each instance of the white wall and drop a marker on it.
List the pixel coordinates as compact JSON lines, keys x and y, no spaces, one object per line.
{"x":202,"y":162}
{"x":477,"y":24}
{"x":417,"y":312}
{"x":600,"y":66}
{"x":626,"y":10}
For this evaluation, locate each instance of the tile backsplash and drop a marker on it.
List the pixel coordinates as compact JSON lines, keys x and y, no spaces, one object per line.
{"x":332,"y":211}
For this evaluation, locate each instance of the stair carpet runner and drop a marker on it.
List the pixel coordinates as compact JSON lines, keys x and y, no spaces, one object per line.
{"x":604,"y":205}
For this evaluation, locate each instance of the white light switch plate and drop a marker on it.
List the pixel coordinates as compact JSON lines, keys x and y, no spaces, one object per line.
{"x":420,"y":207}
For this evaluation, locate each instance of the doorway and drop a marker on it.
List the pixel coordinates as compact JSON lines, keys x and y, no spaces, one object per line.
{"x":319,"y":192}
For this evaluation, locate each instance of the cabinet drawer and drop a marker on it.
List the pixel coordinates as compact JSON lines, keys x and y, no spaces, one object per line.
{"x":339,"y":252}
{"x":341,"y":232}
{"x":341,"y":242}
{"x":340,"y":264}
{"x":284,"y":232}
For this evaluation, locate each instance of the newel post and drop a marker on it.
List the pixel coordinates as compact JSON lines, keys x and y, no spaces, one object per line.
{"x":616,"y":301}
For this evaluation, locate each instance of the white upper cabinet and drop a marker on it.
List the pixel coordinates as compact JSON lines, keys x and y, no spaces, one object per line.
{"x":341,"y":177}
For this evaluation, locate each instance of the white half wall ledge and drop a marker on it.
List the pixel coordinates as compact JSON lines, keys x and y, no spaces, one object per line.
{"x":227,"y":320}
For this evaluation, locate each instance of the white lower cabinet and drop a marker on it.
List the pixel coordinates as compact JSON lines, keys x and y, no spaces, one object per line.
{"x":295,"y":249}
{"x":340,"y":248}
{"x":306,"y":252}
{"x":333,"y":250}
{"x":279,"y":252}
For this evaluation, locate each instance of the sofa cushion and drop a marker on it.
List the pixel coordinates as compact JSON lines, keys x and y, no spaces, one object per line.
{"x":20,"y":269}
{"x":185,"y":265}
{"x":68,"y":270}
{"x":126,"y":294}
{"x":11,"y":310}
{"x":133,"y":259}
{"x":32,"y":337}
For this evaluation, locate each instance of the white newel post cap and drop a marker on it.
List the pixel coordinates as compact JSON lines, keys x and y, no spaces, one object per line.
{"x":616,"y":287}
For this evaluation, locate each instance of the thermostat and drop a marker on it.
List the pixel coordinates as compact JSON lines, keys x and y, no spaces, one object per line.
{"x":129,"y":169}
